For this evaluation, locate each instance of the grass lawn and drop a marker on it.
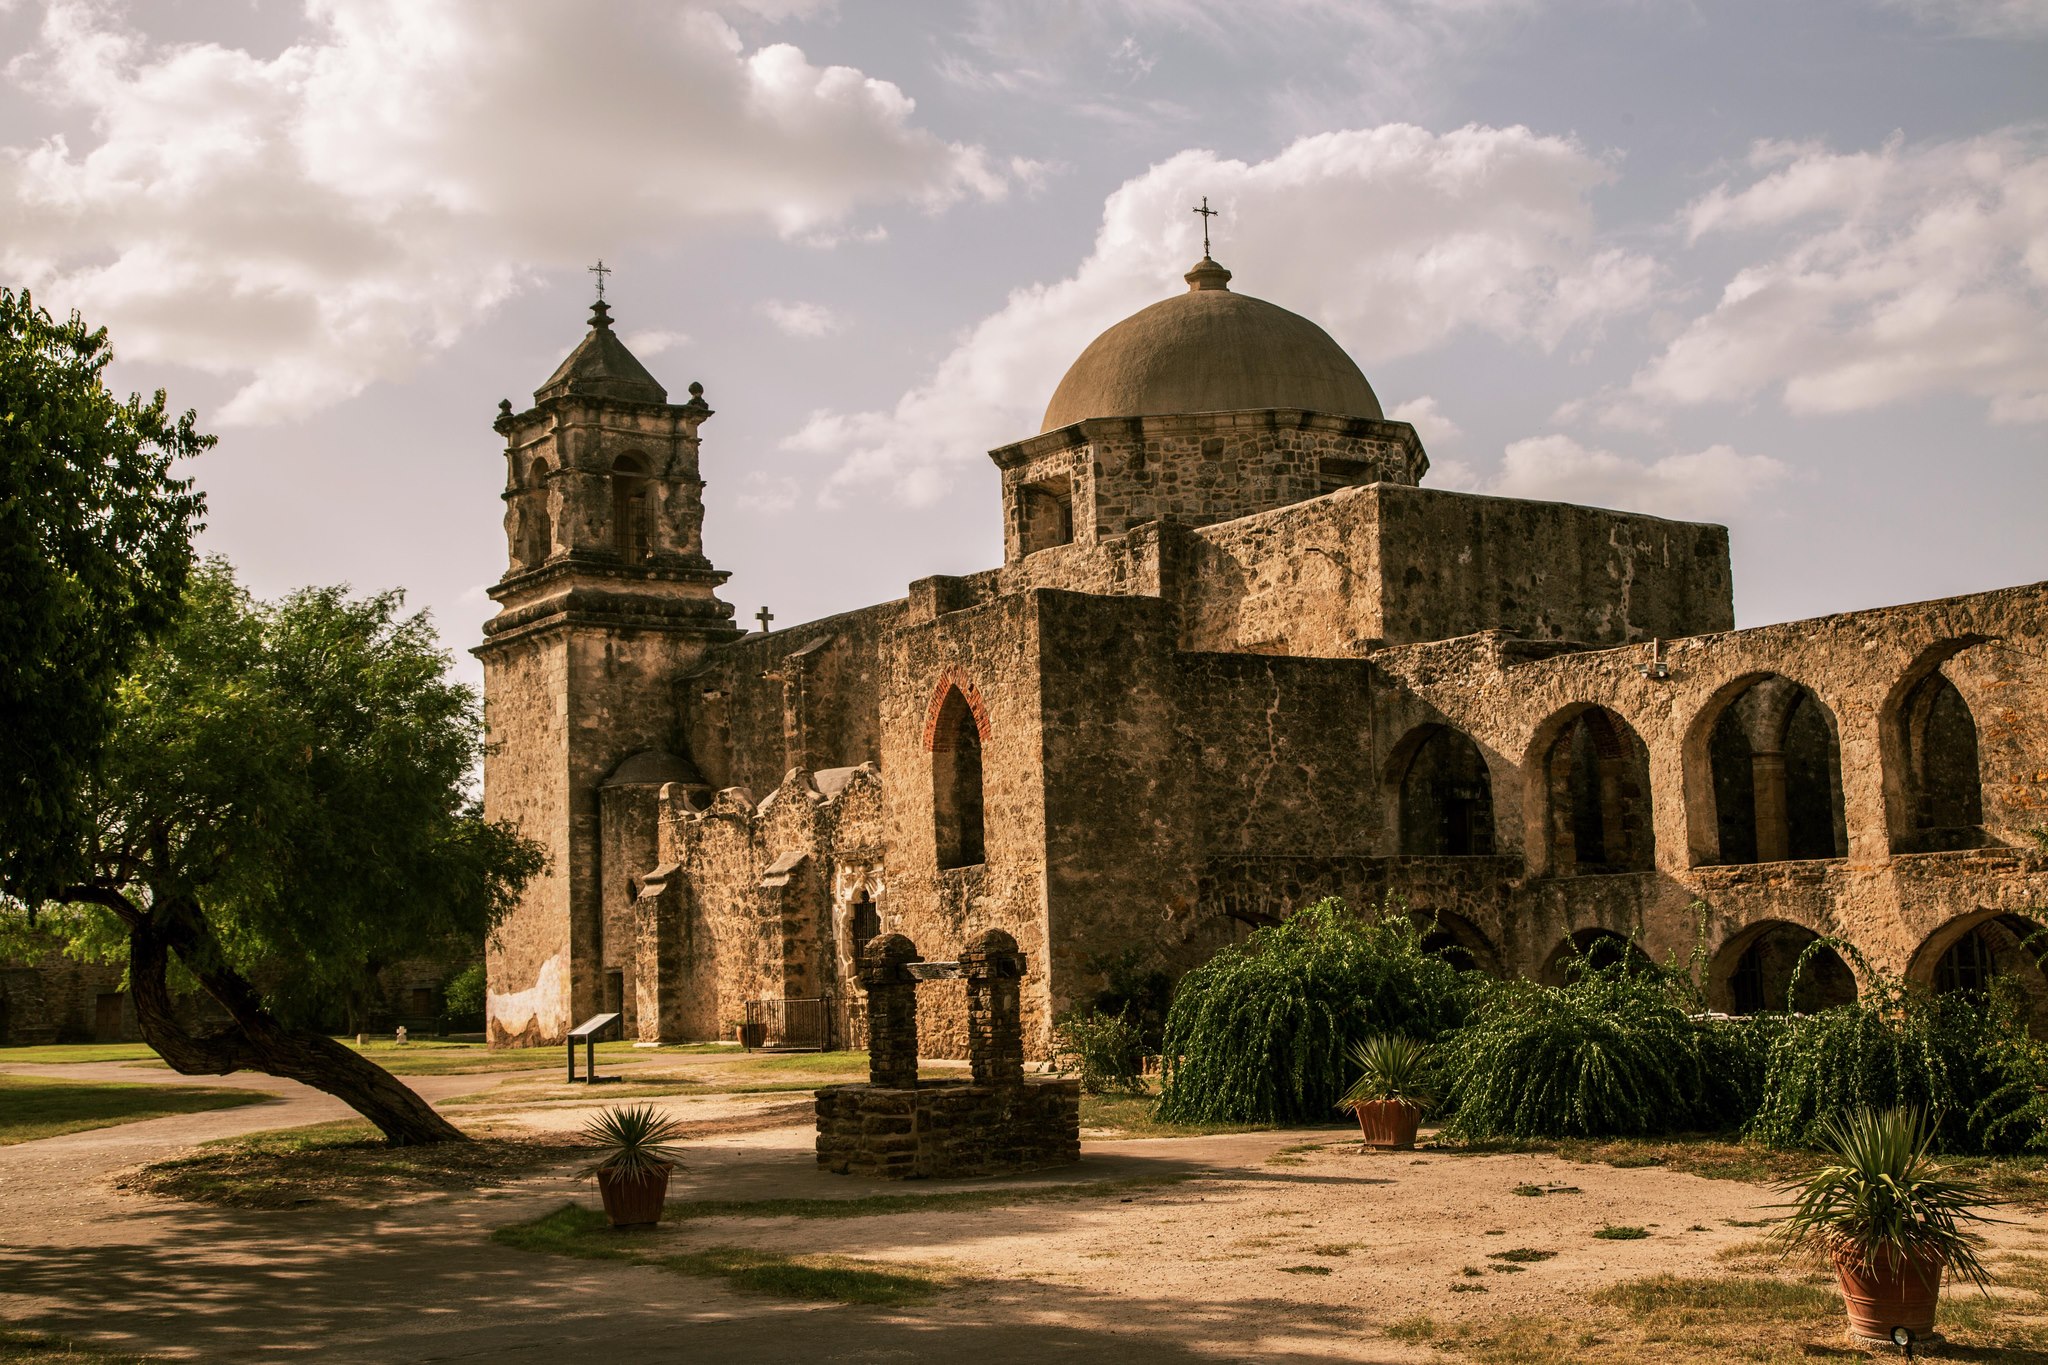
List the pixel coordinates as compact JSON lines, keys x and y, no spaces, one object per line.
{"x":32,"y":1108}
{"x":1131,"y":1116}
{"x":343,"y":1160}
{"x":37,"y":1348}
{"x":60,"y":1054}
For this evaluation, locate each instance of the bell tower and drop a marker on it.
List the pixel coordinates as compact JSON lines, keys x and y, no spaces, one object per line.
{"x":606,"y":597}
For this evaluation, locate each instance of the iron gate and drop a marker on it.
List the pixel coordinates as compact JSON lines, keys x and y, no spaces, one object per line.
{"x":789,"y":1025}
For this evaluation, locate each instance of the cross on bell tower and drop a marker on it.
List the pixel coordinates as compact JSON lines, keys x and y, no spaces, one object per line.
{"x":601,"y":270}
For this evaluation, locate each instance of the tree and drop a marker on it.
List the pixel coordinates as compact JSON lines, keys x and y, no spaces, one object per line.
{"x":282,"y":805}
{"x":95,"y":546}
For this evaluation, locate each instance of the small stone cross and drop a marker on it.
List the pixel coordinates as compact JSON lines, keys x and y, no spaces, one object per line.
{"x":601,"y":270}
{"x":764,"y":616}
{"x":1206,"y":212}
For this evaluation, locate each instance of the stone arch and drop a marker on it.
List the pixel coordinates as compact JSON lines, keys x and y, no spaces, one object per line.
{"x":1443,"y":794}
{"x":1753,"y":972}
{"x":1933,"y":780}
{"x":954,"y":736}
{"x":631,"y":509}
{"x":1765,"y":757}
{"x":1970,"y":950}
{"x":1593,"y":773}
{"x":1602,"y":947}
{"x":1457,"y":940}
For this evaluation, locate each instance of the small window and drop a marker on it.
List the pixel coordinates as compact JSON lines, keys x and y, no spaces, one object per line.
{"x":866,"y":926}
{"x":1336,"y":472}
{"x":1045,"y":512}
{"x":630,"y":509}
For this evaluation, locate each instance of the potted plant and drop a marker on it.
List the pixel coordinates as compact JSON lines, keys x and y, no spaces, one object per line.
{"x":1890,"y":1218}
{"x":633,"y":1168}
{"x":1391,"y":1091}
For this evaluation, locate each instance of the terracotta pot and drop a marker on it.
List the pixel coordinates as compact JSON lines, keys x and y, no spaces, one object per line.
{"x":1885,"y":1293}
{"x":633,"y":1201}
{"x":1388,"y":1123}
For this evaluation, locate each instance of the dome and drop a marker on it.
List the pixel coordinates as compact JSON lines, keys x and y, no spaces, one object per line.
{"x":1210,"y":350}
{"x":654,"y":768}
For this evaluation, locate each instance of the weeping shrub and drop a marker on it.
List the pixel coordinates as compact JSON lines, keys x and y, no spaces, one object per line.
{"x":1262,"y":1032}
{"x":1964,"y":1057}
{"x":1106,"y":1051}
{"x":1619,"y":1050}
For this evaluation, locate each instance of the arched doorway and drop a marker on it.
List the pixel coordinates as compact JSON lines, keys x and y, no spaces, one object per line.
{"x":1759,"y":970}
{"x":1934,"y":739}
{"x":1969,"y":955}
{"x":1596,"y":773}
{"x":1776,"y":775}
{"x":1457,"y":941}
{"x":1597,"y":949}
{"x":1446,"y":795}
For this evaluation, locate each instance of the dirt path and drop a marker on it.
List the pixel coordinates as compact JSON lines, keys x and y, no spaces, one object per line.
{"x":1239,"y":1249}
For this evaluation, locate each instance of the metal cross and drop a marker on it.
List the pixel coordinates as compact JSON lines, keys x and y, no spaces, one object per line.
{"x":601,"y":270}
{"x":1207,"y":213}
{"x":764,"y":616}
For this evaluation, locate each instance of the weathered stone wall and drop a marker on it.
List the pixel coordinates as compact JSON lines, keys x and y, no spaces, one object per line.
{"x":948,"y":1128}
{"x":1389,"y":564}
{"x":807,"y":697}
{"x":1197,"y":468}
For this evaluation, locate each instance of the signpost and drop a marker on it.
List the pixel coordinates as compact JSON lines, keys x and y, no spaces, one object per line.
{"x":587,"y":1031}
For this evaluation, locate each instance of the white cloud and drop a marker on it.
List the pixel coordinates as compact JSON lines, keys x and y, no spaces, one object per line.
{"x":1428,"y":420}
{"x":1394,"y":238}
{"x":1910,"y":271}
{"x":809,"y":320}
{"x":653,"y":341}
{"x":320,"y":219}
{"x":1707,"y":484}
{"x":769,"y":492}
{"x":1980,"y":18}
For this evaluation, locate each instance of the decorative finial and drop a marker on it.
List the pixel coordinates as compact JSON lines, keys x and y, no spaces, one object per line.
{"x":1206,"y":212}
{"x":601,"y":270}
{"x":696,"y":389}
{"x":504,"y":407}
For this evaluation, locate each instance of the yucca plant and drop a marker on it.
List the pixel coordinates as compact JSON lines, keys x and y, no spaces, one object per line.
{"x":1884,"y":1199}
{"x":633,"y":1141}
{"x":1390,"y":1067}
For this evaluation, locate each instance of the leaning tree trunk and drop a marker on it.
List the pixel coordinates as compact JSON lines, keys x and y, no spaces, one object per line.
{"x":257,"y":1040}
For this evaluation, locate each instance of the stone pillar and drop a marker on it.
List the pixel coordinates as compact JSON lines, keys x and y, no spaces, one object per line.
{"x":995,"y":1020}
{"x":1773,"y":830}
{"x":892,"y":1011}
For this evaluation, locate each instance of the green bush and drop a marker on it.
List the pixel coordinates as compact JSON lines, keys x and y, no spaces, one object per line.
{"x":1107,"y":1051}
{"x":1262,"y":1032}
{"x":464,"y":993}
{"x":1963,"y":1057}
{"x":1619,"y":1050}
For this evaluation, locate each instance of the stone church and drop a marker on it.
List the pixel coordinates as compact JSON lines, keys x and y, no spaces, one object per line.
{"x":1237,"y":656}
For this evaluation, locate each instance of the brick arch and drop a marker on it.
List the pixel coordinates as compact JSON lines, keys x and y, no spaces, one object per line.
{"x":952,"y":680}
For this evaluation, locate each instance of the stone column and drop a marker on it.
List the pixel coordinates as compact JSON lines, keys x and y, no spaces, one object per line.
{"x":1773,"y":832}
{"x":995,"y":1021}
{"x":892,"y":1011}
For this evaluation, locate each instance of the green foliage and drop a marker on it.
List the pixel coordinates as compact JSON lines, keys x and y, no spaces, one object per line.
{"x":1390,"y":1067}
{"x":1106,"y":1050}
{"x":1964,"y":1057}
{"x":299,"y":771}
{"x":1260,"y":1033}
{"x":1618,"y":1050}
{"x":1884,"y":1199}
{"x":464,"y":993}
{"x":633,"y":1140}
{"x":95,"y":548}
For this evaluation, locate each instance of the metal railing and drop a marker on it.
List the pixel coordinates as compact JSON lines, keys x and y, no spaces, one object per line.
{"x":803,"y":1025}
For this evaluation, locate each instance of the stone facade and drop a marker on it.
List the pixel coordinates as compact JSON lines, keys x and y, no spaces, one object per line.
{"x":1233,"y":661}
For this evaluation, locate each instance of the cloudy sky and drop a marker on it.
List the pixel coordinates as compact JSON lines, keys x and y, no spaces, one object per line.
{"x":1783,"y":266}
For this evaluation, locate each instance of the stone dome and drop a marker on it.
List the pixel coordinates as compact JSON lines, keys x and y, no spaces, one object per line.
{"x":1210,"y":350}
